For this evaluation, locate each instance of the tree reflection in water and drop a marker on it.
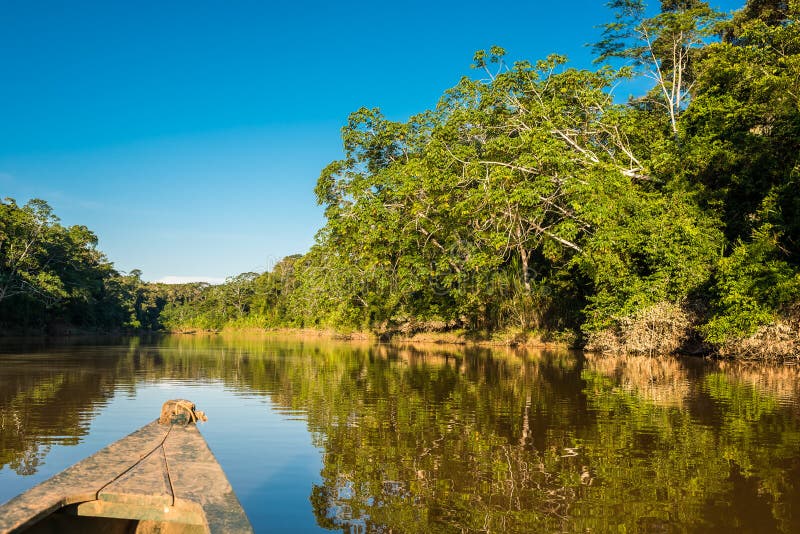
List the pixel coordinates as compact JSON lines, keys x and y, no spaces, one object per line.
{"x":439,"y":440}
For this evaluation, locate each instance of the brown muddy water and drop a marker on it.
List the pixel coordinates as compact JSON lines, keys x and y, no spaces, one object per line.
{"x":370,"y":438}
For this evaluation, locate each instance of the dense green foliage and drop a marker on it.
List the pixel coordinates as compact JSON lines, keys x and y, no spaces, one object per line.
{"x":532,"y":200}
{"x":48,"y":270}
{"x":249,"y":300}
{"x":54,"y":278}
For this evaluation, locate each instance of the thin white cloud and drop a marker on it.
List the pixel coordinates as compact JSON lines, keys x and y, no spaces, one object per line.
{"x":188,"y":279}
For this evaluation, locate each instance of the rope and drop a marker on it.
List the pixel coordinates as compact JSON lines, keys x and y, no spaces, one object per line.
{"x":176,"y":411}
{"x":169,"y":475}
{"x":180,"y":411}
{"x":143,"y":458}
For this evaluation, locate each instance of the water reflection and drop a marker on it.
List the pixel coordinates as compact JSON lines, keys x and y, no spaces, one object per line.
{"x":48,"y":399}
{"x":446,"y":439}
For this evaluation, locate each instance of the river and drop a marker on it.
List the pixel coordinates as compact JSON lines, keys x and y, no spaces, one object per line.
{"x":318,"y":435}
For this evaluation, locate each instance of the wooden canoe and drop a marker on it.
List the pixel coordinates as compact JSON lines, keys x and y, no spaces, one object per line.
{"x":160,"y":479}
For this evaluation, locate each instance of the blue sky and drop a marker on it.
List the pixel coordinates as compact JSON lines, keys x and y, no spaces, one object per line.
{"x":189,"y":135}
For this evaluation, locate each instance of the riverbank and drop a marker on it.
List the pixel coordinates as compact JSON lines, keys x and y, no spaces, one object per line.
{"x":778,"y":342}
{"x":451,"y":337}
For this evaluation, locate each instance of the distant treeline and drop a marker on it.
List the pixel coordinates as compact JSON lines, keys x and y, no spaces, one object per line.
{"x":53,"y":279}
{"x":530,"y":200}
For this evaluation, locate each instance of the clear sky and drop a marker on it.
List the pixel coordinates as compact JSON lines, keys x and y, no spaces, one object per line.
{"x":189,"y":135}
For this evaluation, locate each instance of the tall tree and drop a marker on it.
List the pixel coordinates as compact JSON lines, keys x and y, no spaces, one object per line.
{"x":27,"y":238}
{"x":664,"y":47}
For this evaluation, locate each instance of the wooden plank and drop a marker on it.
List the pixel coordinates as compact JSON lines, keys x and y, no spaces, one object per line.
{"x":146,"y":484}
{"x":82,"y":481}
{"x":192,"y":515}
{"x":197,"y":477}
{"x":158,"y":473}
